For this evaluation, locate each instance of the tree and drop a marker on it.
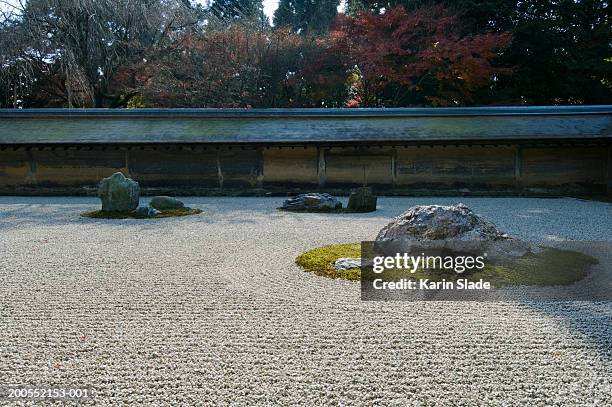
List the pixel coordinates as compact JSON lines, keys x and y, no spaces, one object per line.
{"x":306,"y":16}
{"x":481,"y":13}
{"x":560,"y":48}
{"x":115,"y":53}
{"x":559,"y":51}
{"x":417,"y":58}
{"x":239,"y":66}
{"x":231,"y":11}
{"x":71,"y":50}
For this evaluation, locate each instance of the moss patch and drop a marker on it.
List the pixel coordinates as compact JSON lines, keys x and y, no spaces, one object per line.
{"x":132,"y":215}
{"x":321,"y":260}
{"x":549,"y":267}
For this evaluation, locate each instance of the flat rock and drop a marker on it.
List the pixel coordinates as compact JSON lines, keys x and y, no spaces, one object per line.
{"x":147,"y":211}
{"x":163,"y":203}
{"x":348,"y":263}
{"x":312,"y":201}
{"x":119,"y":193}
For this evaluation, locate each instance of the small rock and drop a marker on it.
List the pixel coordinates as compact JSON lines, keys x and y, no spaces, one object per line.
{"x":147,"y":211}
{"x":312,"y":201}
{"x":163,"y":203}
{"x":119,"y":193}
{"x":362,"y":200}
{"x":348,"y":263}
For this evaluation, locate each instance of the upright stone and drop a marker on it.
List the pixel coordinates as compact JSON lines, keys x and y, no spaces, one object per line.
{"x":362,"y":200}
{"x":119,"y":193}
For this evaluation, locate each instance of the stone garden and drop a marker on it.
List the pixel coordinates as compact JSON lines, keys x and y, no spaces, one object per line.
{"x":128,"y":306}
{"x":361,"y":200}
{"x":120,"y":198}
{"x":202,"y":203}
{"x":452,"y":228}
{"x":457,"y":229}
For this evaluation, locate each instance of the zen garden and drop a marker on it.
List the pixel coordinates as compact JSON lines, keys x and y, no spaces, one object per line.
{"x":235,"y":251}
{"x":306,"y":203}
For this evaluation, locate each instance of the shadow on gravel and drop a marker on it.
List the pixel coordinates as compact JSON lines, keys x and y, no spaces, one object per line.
{"x":591,"y":321}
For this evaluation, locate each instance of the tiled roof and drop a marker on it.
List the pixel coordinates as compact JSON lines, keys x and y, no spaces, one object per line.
{"x":51,"y":126}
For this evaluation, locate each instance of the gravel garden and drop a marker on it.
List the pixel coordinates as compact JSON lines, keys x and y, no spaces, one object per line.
{"x":127,"y":306}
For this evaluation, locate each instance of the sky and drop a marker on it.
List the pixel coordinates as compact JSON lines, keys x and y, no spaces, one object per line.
{"x":269,"y":7}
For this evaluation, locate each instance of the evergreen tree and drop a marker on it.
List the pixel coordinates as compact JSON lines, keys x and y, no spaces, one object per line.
{"x":227,"y":11}
{"x":560,"y":52}
{"x":306,"y":16}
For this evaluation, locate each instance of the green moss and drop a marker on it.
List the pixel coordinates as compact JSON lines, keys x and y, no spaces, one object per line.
{"x":131,"y":215}
{"x":321,"y":260}
{"x":548,"y":267}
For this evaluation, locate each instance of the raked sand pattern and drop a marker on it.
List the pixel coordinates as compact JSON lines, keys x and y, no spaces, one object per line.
{"x":211,"y":310}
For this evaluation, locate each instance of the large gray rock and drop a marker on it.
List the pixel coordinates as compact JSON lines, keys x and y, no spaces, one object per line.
{"x":163,"y":203}
{"x":119,"y":193}
{"x":436,"y":222}
{"x":362,"y":200}
{"x":312,"y":201}
{"x":452,"y":227}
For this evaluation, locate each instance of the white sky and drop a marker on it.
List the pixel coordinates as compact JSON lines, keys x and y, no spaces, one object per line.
{"x":270,"y":7}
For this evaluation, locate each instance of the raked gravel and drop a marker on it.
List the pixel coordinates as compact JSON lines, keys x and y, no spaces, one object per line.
{"x":211,"y":310}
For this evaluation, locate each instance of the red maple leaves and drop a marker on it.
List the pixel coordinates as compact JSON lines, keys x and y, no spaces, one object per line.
{"x":420,"y":57}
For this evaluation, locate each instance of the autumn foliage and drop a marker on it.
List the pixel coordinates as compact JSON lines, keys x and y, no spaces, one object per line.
{"x":184,"y":53}
{"x":420,"y":58}
{"x":392,"y":59}
{"x":237,"y":67}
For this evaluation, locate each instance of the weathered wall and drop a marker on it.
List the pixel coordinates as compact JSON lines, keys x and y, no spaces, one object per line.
{"x":199,"y":167}
{"x":290,"y":166}
{"x":569,"y":165}
{"x":505,"y":168}
{"x":73,"y":167}
{"x":359,"y":166}
{"x":456,"y":166}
